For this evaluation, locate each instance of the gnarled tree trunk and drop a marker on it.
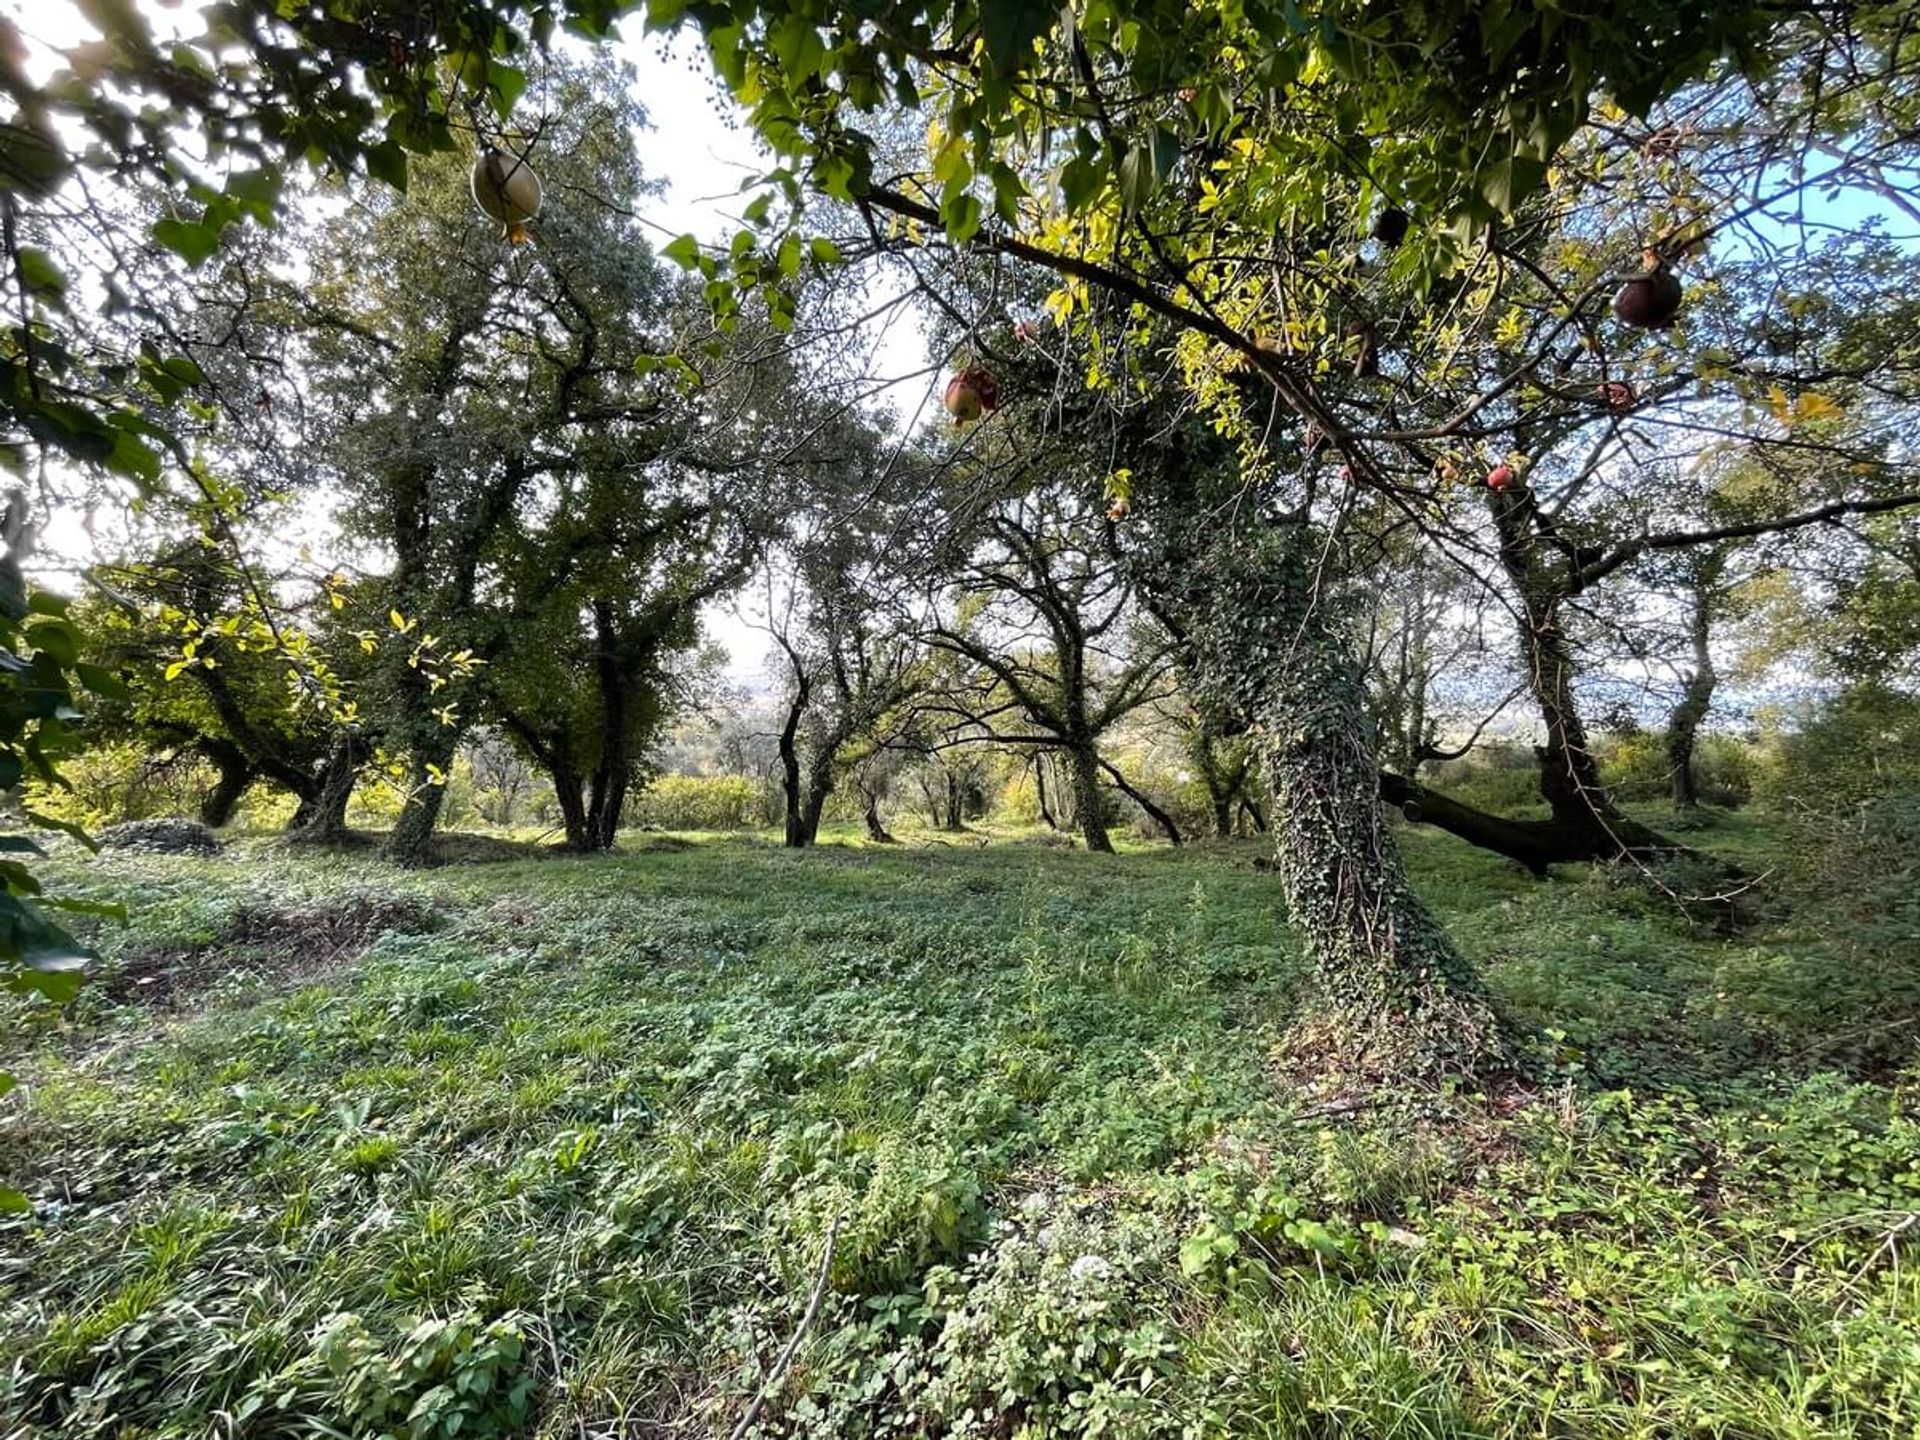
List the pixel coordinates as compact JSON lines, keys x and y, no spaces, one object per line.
{"x":1586,"y":823}
{"x":322,"y":814}
{"x":236,"y":774}
{"x":1269,"y":647}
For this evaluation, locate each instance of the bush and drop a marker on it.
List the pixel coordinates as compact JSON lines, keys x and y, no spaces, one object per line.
{"x":697,"y":802}
{"x":1503,"y":778}
{"x":1863,"y":744}
{"x":1848,"y":785}
{"x":111,"y":783}
{"x":1635,"y":768}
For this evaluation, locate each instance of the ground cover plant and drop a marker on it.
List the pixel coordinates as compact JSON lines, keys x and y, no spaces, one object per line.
{"x":556,"y":1146}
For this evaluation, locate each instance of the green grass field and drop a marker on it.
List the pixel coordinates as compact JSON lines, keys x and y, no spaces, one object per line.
{"x":556,"y":1147}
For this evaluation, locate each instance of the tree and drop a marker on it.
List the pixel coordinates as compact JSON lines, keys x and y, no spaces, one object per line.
{"x":1046,"y":615}
{"x":208,"y":670}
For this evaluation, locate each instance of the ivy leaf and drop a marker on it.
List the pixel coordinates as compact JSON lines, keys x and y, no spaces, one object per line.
{"x":1010,"y":27}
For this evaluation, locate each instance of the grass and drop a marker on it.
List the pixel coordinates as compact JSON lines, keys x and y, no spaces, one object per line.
{"x":548,"y":1146}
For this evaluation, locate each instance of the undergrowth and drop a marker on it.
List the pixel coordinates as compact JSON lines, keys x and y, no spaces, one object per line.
{"x":556,"y":1146}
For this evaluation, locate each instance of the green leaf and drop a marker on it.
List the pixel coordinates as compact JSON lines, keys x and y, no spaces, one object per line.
{"x":1080,"y":181}
{"x":684,"y":251}
{"x":823,"y":251}
{"x":107,"y":909}
{"x":1010,"y":27}
{"x":65,"y":827}
{"x":665,"y":14}
{"x":32,"y":161}
{"x":789,"y":258}
{"x":1508,"y":182}
{"x":12,"y":1202}
{"x":133,"y":458}
{"x":507,"y":85}
{"x":57,"y":638}
{"x":797,"y":44}
{"x":190,"y":240}
{"x":387,"y":162}
{"x":102,"y":681}
{"x":960,"y":216}
{"x":40,"y":275}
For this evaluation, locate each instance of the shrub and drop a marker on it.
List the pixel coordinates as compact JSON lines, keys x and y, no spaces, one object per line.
{"x":697,"y":802}
{"x":111,"y":783}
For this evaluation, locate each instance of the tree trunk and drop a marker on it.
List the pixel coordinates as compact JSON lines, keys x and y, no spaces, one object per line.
{"x":569,"y":792}
{"x":1683,"y":726}
{"x":953,"y":814}
{"x":411,"y":839}
{"x":607,"y":799}
{"x":1270,"y":646}
{"x":819,"y":787}
{"x":1154,"y":812}
{"x":1569,"y":776}
{"x":1086,"y":786}
{"x":236,"y":775}
{"x":797,"y":837}
{"x":870,"y":810}
{"x":322,"y":815}
{"x":1040,"y":789}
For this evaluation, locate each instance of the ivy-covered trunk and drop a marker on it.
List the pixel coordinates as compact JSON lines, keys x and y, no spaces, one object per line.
{"x":420,"y":809}
{"x":1086,"y":795}
{"x":819,"y":787}
{"x":1696,"y":696}
{"x":1271,"y":648}
{"x":877,"y":830}
{"x":611,"y":782}
{"x":953,"y":817}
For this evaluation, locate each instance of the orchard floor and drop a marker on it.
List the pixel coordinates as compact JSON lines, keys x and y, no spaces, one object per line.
{"x":547,"y":1146}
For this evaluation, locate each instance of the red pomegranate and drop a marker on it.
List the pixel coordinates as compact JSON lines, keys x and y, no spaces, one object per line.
{"x":970,"y":394}
{"x":1650,"y":301}
{"x":1501,"y":477}
{"x":1617,"y":395}
{"x":1119,"y":509}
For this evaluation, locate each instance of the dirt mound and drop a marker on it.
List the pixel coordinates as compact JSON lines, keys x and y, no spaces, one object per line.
{"x":277,"y":947}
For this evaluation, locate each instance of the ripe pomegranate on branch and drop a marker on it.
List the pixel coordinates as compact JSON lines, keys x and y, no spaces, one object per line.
{"x":970,"y":394}
{"x":1650,"y":301}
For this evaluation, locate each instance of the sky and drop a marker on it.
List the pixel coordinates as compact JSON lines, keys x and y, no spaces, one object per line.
{"x":690,"y":147}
